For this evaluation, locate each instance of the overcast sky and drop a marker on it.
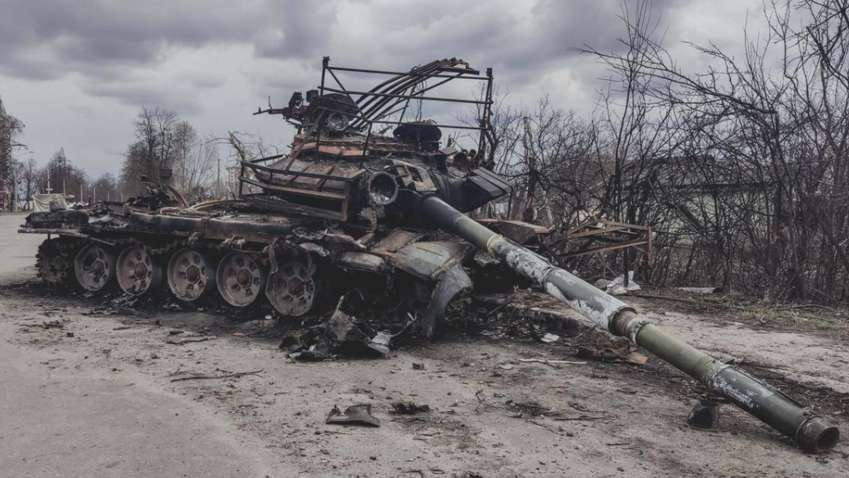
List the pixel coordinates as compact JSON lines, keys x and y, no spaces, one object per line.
{"x":77,"y":72}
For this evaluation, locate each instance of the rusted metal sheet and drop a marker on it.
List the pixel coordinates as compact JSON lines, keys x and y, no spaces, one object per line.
{"x":258,"y":228}
{"x":428,"y":260}
{"x":362,"y":261}
{"x":394,"y":241}
{"x":63,"y":219}
{"x":518,"y":231}
{"x":612,"y":236}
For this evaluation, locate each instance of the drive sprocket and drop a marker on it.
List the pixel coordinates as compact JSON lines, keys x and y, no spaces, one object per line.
{"x":55,"y":260}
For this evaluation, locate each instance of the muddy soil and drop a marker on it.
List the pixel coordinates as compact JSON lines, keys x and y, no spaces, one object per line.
{"x":94,"y":391}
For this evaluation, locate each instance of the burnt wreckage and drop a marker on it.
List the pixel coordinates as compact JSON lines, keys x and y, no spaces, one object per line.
{"x":351,"y":213}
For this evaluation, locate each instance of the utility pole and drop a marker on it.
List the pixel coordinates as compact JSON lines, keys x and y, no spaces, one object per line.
{"x":528,"y":211}
{"x":64,"y":171}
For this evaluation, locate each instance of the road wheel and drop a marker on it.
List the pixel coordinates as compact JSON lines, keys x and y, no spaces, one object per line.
{"x":291,"y":289}
{"x":190,"y":275}
{"x":94,"y":267}
{"x":136,"y":270}
{"x":239,"y":279}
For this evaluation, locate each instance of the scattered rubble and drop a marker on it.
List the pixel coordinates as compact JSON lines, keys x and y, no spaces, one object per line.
{"x":617,"y":286}
{"x":188,"y":340}
{"x":705,"y":414}
{"x":552,"y":362}
{"x":49,"y":324}
{"x":342,"y":333}
{"x":409,"y":408}
{"x":607,"y":348}
{"x":359,"y":414}
{"x":216,"y":377}
{"x":549,"y":338}
{"x":528,"y":408}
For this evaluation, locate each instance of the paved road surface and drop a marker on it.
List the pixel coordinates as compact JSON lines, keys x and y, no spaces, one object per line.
{"x":98,"y":424}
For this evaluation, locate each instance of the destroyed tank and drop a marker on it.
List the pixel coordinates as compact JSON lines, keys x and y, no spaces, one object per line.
{"x":370,"y":205}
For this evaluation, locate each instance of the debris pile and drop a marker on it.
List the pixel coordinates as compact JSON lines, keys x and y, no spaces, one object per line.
{"x":608,"y":348}
{"x":342,"y":333}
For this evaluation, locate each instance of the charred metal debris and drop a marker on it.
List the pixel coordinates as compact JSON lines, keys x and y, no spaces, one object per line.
{"x":368,"y":216}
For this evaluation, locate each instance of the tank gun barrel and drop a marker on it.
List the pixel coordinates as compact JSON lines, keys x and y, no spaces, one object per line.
{"x":811,"y":433}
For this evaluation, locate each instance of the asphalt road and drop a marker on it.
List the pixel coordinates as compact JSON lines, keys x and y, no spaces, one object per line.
{"x":97,"y":423}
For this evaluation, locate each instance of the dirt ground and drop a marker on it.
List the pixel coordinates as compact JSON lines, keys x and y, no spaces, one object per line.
{"x":93,"y":391}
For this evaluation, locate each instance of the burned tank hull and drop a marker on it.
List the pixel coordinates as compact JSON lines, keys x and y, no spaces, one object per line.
{"x":351,"y":213}
{"x":333,"y":215}
{"x":239,"y":253}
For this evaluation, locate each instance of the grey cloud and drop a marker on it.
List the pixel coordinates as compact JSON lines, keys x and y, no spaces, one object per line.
{"x":28,"y":70}
{"x":394,"y":35}
{"x":238,"y":52}
{"x":80,"y":35}
{"x":203,"y":81}
{"x":141,"y":94}
{"x":295,"y":29}
{"x":102,"y":39}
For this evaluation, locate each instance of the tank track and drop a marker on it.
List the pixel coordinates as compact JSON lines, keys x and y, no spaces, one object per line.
{"x":55,"y":257}
{"x":55,"y":261}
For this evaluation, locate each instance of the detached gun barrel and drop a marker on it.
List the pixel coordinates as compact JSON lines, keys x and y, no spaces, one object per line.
{"x":811,"y":433}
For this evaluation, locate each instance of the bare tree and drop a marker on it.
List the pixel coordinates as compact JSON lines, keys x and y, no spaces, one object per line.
{"x":10,"y":128}
{"x":60,"y":175}
{"x":198,"y":179}
{"x":28,"y":180}
{"x":756,"y":150}
{"x":185,"y":139}
{"x":156,"y":149}
{"x":105,"y":188}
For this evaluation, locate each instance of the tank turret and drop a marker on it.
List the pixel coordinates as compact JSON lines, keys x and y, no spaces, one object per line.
{"x":341,"y":166}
